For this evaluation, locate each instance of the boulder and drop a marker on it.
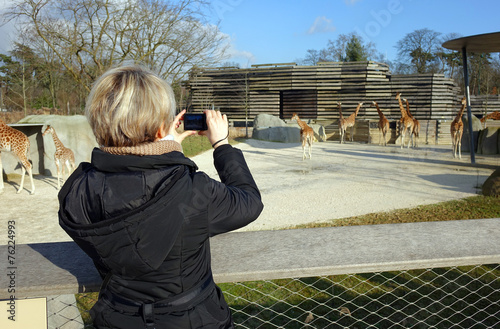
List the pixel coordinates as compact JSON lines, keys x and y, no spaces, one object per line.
{"x":488,"y":141}
{"x":277,"y":134}
{"x":267,"y":120}
{"x":271,"y":128}
{"x":491,"y":186}
{"x":319,"y":132}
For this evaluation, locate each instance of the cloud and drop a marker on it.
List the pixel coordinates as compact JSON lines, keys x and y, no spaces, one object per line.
{"x":351,"y":2}
{"x":321,"y":25}
{"x":243,"y":57}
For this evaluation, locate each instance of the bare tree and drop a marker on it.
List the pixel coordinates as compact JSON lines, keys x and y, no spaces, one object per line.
{"x":312,"y":57}
{"x":88,"y":36}
{"x":450,"y":59}
{"x":418,"y":50}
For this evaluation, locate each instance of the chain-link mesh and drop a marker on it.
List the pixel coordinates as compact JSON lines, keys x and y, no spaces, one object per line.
{"x":456,"y":297}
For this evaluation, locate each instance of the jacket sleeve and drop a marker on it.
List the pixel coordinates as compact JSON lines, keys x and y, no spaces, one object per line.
{"x":236,"y":200}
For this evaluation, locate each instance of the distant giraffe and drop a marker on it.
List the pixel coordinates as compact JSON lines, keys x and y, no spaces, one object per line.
{"x":493,"y":116}
{"x":406,"y":123}
{"x":12,"y":140}
{"x":346,"y":123}
{"x":456,"y":130}
{"x":416,"y":125}
{"x":306,"y":135}
{"x":383,"y":124}
{"x":63,"y":155}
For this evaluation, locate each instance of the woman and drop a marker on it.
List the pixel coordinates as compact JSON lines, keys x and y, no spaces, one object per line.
{"x":144,"y":214}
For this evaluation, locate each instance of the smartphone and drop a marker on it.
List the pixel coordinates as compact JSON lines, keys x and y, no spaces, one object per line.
{"x":195,"y":121}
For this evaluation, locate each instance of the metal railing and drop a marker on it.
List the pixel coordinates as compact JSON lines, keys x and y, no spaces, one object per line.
{"x":452,"y":297}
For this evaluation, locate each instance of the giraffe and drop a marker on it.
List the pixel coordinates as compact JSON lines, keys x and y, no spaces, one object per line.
{"x":456,"y":130}
{"x":349,"y":122}
{"x":12,"y":140}
{"x":63,"y":155}
{"x":493,"y":115}
{"x":406,"y":123}
{"x":383,"y":124}
{"x":416,"y":125}
{"x":306,"y":135}
{"x":341,"y":122}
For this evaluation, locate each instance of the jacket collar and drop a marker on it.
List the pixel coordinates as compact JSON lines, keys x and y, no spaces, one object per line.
{"x":118,"y":163}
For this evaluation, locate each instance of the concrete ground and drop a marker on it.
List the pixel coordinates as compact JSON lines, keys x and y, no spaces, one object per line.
{"x":339,"y":181}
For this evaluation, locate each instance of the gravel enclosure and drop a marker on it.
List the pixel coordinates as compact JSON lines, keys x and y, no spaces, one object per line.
{"x":341,"y":180}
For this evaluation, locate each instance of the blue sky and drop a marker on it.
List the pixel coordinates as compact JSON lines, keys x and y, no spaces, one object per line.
{"x":279,"y":31}
{"x":282,"y":31}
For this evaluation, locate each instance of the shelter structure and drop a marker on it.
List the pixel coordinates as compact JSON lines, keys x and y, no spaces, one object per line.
{"x":481,"y":43}
{"x":314,"y":91}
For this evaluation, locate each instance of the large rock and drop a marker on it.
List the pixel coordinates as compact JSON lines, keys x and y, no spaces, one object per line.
{"x":277,"y":134}
{"x":491,"y":186}
{"x":319,"y":132}
{"x":267,"y":120}
{"x":488,"y":141}
{"x":271,"y":128}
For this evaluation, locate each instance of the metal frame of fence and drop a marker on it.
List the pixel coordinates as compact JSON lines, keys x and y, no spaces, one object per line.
{"x":452,"y":297}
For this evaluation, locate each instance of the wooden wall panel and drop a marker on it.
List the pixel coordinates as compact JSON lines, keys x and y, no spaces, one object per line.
{"x":259,"y":89}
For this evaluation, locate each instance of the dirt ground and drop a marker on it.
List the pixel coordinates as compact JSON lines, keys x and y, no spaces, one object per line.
{"x":339,"y":181}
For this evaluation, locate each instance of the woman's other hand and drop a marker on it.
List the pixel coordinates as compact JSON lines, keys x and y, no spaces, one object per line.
{"x":175,"y":124}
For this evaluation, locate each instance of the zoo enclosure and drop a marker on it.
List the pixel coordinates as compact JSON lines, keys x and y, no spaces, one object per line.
{"x":417,"y":275}
{"x":313,"y":91}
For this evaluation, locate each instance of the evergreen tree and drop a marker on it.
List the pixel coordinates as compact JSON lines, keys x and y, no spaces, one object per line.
{"x":355,"y":51}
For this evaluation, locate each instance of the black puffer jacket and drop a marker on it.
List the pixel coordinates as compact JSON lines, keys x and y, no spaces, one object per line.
{"x":146,"y":222}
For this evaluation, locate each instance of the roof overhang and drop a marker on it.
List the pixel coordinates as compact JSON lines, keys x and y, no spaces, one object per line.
{"x":480,"y":43}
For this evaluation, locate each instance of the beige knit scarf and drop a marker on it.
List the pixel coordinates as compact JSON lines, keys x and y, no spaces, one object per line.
{"x":152,"y":148}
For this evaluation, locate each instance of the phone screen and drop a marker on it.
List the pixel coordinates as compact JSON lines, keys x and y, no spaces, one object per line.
{"x":195,"y":121}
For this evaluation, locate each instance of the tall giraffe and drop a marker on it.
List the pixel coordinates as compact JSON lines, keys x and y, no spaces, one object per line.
{"x":456,"y":130}
{"x":406,"y":123}
{"x":12,"y":140}
{"x":416,"y":125}
{"x":63,"y":155}
{"x":306,"y":135}
{"x":383,"y":124}
{"x":346,"y":123}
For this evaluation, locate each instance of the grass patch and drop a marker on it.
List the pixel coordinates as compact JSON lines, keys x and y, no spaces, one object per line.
{"x":84,"y":302}
{"x":468,"y":208}
{"x":196,"y":144}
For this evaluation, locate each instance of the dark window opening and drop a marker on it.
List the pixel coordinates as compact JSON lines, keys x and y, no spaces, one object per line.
{"x":302,"y":102}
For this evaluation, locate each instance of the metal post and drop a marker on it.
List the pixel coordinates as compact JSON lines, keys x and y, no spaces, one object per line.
{"x":469,"y":113}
